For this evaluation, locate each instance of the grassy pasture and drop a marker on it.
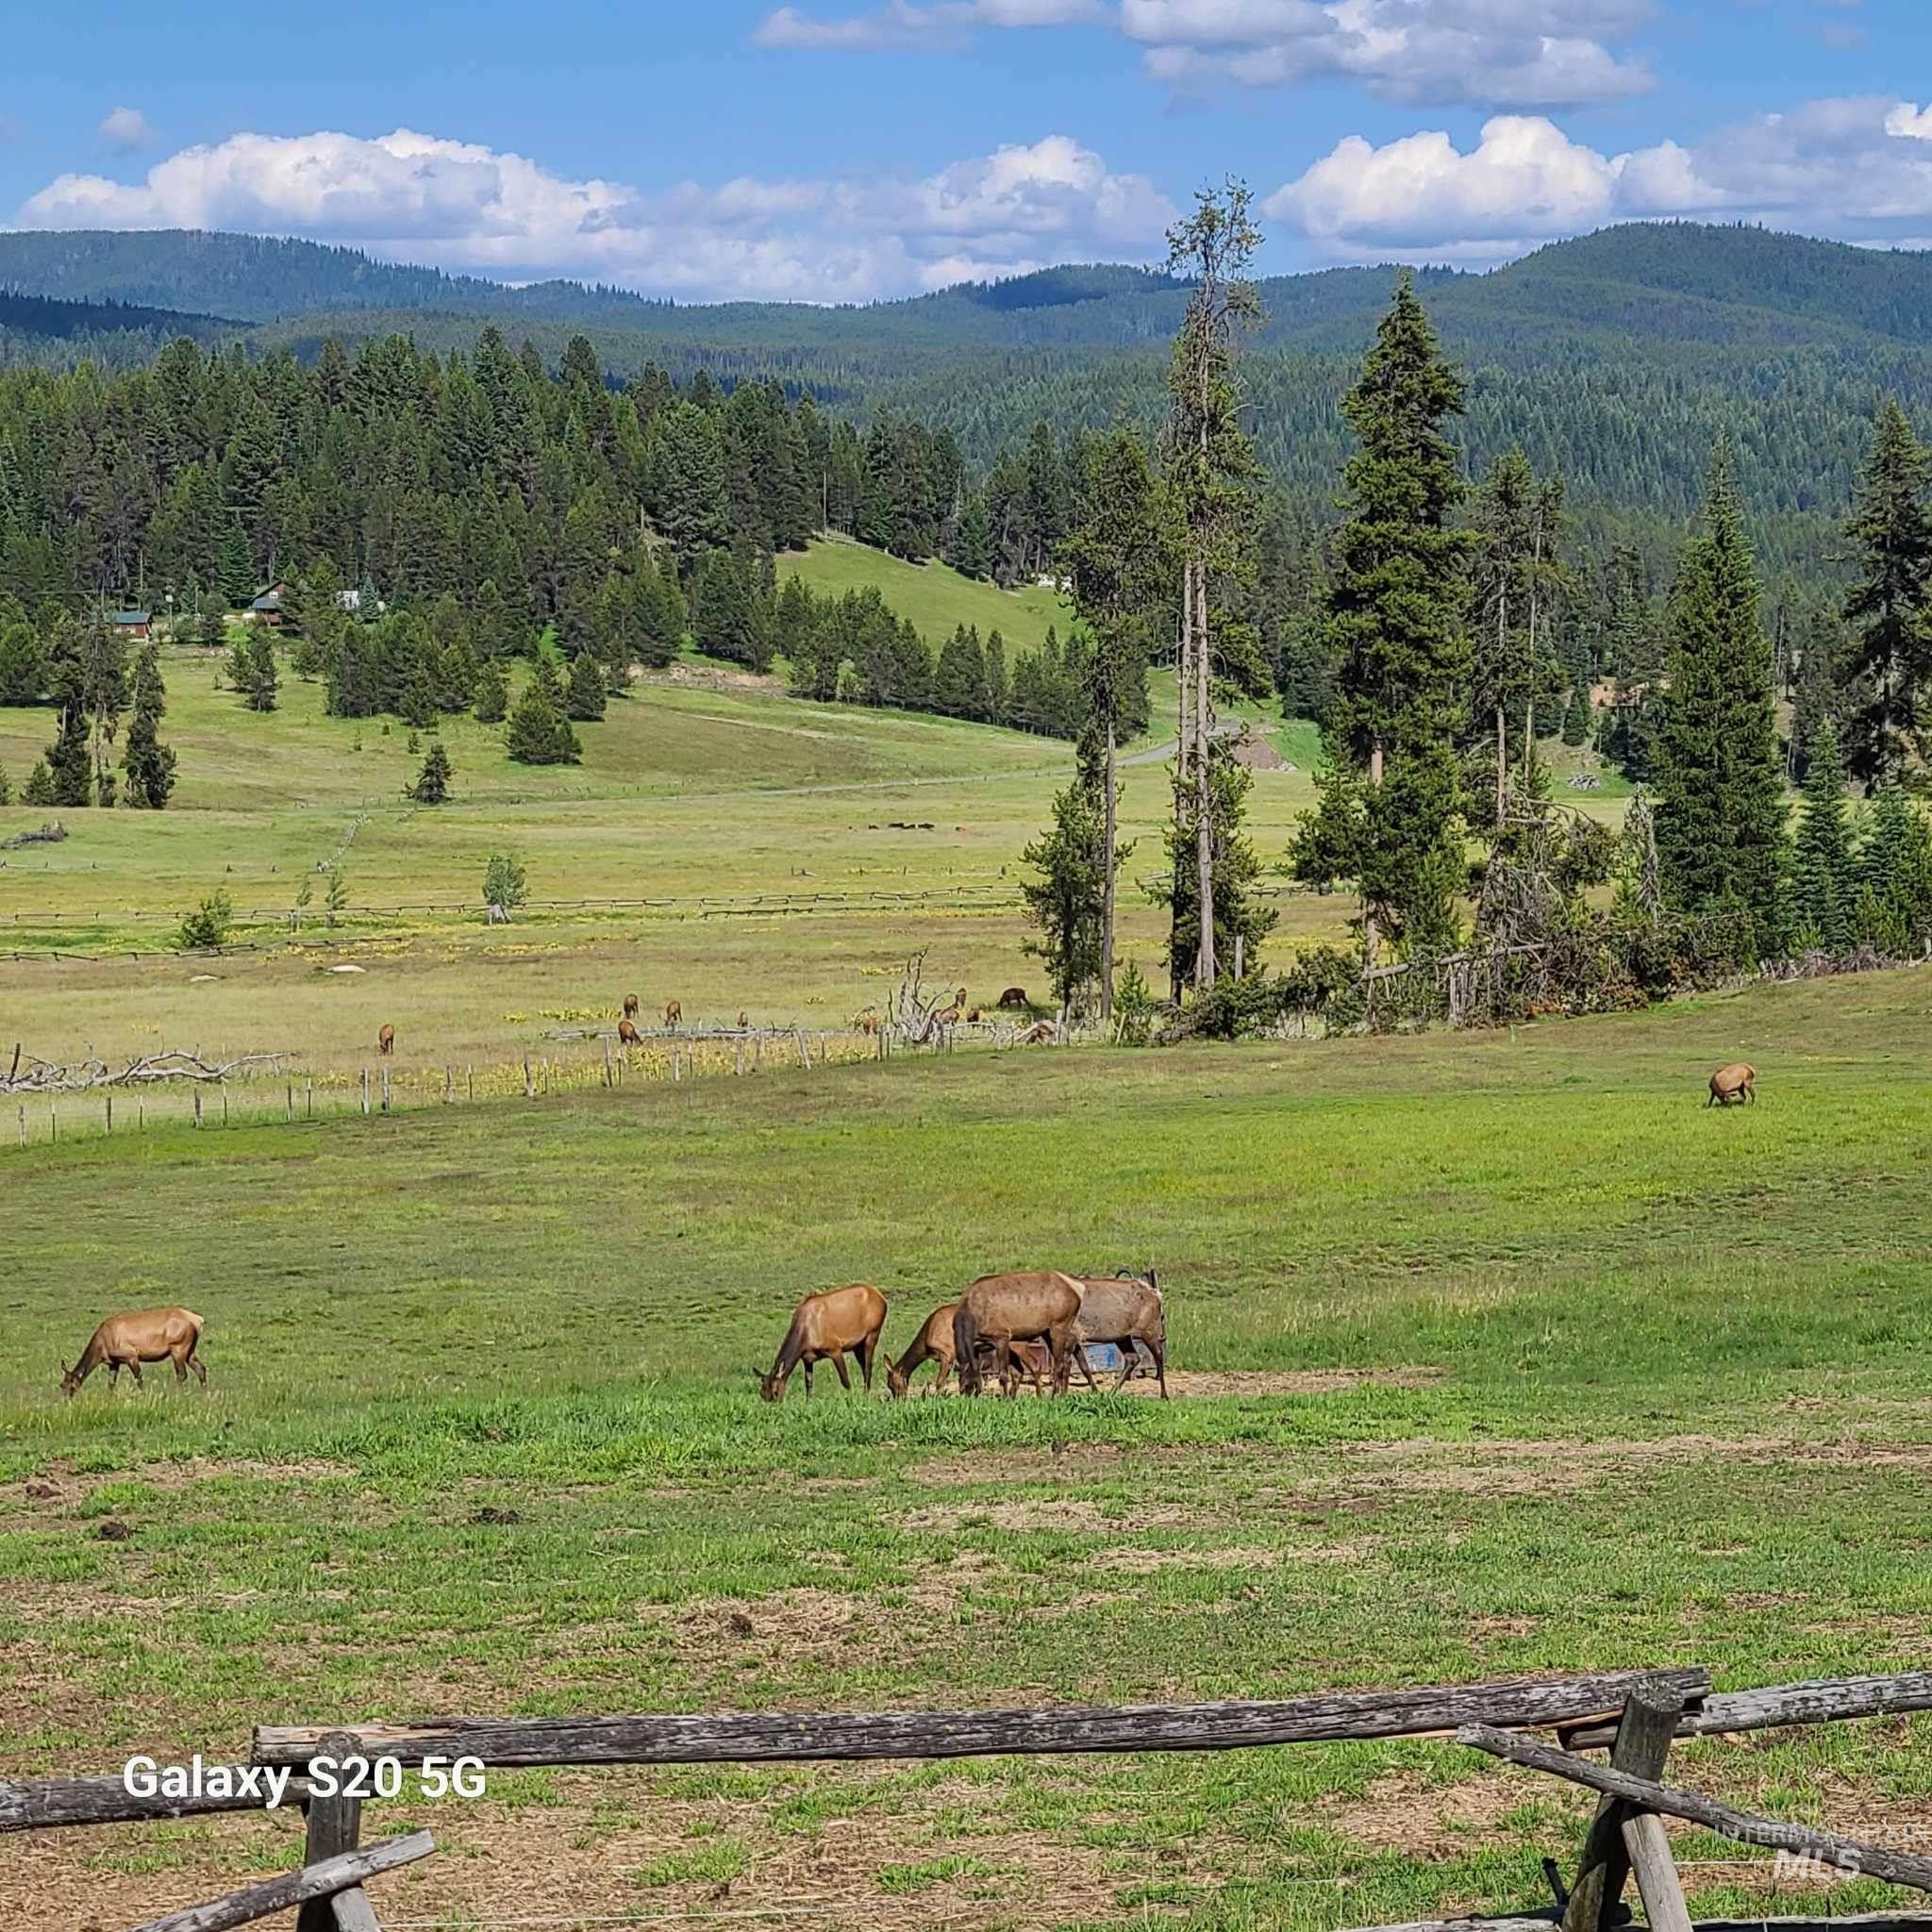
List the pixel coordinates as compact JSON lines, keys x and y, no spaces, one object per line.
{"x":1498,"y":1354}
{"x":698,"y":786}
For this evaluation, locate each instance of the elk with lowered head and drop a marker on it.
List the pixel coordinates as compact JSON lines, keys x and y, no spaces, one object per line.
{"x":149,"y":1335}
{"x":934,"y":1343}
{"x":824,"y":1326}
{"x":1034,"y":1305}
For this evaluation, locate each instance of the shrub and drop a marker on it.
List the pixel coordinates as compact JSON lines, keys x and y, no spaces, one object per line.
{"x":503,"y":883}
{"x":208,"y":923}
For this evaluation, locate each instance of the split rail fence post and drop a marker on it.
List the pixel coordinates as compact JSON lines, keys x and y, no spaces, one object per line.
{"x":335,"y":1826}
{"x":530,"y":1085}
{"x":365,"y":1092}
{"x":1643,"y":1744}
{"x":111,"y":1113}
{"x":197,"y":1106}
{"x":608,"y":1079}
{"x":449,"y":1084}
{"x":385,"y":1085}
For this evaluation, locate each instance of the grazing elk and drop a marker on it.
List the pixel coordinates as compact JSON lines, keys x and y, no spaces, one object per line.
{"x":1129,"y":1311}
{"x":1035,"y":1305}
{"x":630,"y":1005}
{"x":826,"y":1326}
{"x":627,"y":1035}
{"x":934,"y":1343}
{"x":151,"y":1334}
{"x":867,"y":1021}
{"x":1733,"y":1086}
{"x":743,"y":1018}
{"x":674,"y":1013}
{"x":1015,"y":996}
{"x":386,"y":1040}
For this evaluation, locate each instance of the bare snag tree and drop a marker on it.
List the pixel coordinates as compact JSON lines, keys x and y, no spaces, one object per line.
{"x":1212,"y":470}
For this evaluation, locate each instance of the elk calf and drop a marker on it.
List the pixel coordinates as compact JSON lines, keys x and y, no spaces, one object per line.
{"x":826,"y":1326}
{"x":630,"y":1005}
{"x":674,"y":1013}
{"x":150,"y":1335}
{"x":386,"y":1040}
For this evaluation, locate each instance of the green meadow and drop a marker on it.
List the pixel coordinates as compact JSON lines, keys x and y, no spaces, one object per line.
{"x":1492,"y":1353}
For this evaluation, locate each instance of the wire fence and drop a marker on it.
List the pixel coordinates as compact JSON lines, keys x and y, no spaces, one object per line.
{"x":572,"y":1061}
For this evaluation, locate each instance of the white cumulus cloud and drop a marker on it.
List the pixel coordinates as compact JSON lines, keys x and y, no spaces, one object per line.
{"x":1497,"y":52}
{"x":126,"y":128}
{"x":467,"y":206}
{"x":905,"y":24}
{"x":1860,"y":169}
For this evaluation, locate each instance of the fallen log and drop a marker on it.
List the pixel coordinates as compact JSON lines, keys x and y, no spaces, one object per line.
{"x":1872,"y":1861}
{"x":751,"y":1738}
{"x":324,"y":1880}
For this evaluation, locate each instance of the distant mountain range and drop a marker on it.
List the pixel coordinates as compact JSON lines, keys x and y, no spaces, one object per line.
{"x":1615,"y":357}
{"x":1667,"y":281}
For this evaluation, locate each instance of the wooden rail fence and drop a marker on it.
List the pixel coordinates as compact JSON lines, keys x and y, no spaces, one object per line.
{"x":1638,"y":1713}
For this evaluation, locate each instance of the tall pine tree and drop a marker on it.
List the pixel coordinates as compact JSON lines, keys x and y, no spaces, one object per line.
{"x":1398,"y":596}
{"x":1720,"y":823}
{"x":1824,"y":882}
{"x":148,"y":763}
{"x":1891,"y":660}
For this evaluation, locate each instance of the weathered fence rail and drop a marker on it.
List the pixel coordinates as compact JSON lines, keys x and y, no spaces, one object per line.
{"x":1651,"y":1709}
{"x":760,"y":1737}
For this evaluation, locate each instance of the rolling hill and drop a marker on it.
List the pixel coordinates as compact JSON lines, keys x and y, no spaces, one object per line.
{"x":1615,"y":358}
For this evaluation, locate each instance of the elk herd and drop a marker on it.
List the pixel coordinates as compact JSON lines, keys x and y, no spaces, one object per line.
{"x":1031,"y":1325}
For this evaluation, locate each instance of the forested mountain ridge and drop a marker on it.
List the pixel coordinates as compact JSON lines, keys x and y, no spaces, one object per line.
{"x":1652,"y":281}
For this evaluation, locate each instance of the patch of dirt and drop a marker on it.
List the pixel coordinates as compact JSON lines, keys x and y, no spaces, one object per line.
{"x":609,"y":1847}
{"x":1403,"y":1811}
{"x":1017,"y":1465}
{"x":1063,"y":1513}
{"x":1289,"y":1382}
{"x":57,"y":1487}
{"x":1139,"y":1562}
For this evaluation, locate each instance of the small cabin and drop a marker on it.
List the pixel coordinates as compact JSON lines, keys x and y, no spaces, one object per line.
{"x":267,"y":608}
{"x":138,"y":625}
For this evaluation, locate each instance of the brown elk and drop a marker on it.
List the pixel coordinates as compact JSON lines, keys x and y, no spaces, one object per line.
{"x":674,"y":1013}
{"x":627,"y":1035}
{"x":1129,"y":1311}
{"x":151,"y":1334}
{"x":867,"y":1021}
{"x":934,"y":1343}
{"x":386,"y":1040}
{"x":630,"y":1005}
{"x":1036,"y":1305}
{"x":826,"y":1326}
{"x":1015,"y":996}
{"x":1733,"y":1086}
{"x":743,"y":1018}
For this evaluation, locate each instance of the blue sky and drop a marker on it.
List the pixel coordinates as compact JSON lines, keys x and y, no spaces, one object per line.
{"x":851,"y":149}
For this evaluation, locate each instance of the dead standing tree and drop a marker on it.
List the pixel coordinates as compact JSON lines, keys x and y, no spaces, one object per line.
{"x":915,"y":1017}
{"x":1211,"y":470}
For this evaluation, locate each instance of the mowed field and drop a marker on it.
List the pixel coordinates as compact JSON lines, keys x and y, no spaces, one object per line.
{"x":1495,"y":1354}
